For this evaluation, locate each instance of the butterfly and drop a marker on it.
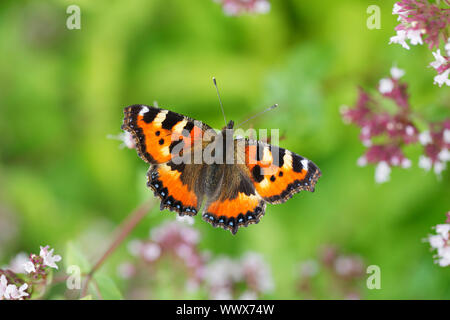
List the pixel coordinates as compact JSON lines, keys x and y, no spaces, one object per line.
{"x":235,"y":194}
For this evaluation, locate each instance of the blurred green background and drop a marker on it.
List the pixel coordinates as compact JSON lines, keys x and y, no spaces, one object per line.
{"x":63,"y":91}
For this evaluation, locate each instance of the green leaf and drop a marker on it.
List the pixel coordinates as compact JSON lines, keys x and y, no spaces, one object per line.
{"x":75,"y":257}
{"x":107,"y":287}
{"x":88,"y":297}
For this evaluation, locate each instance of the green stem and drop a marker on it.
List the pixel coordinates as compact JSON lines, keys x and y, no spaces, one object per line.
{"x":122,"y":232}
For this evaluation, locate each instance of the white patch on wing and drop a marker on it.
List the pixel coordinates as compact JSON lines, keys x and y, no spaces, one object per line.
{"x":264,"y":184}
{"x":243,"y":196}
{"x":160,"y":117}
{"x":143,"y":111}
{"x":305,"y":164}
{"x":287,"y":160}
{"x":179,"y":126}
{"x":165,"y":151}
{"x":267,"y":156}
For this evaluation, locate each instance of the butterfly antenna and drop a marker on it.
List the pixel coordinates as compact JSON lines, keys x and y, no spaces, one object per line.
{"x":220,"y":100}
{"x":258,"y":114}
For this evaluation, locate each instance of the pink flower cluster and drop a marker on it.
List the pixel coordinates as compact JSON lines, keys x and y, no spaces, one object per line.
{"x":12,"y":287}
{"x":385,"y":133}
{"x":37,"y":265}
{"x":175,"y":241}
{"x":222,"y":278}
{"x":344,"y":271}
{"x":425,"y":22}
{"x":375,"y":122}
{"x":32,"y":269}
{"x":238,"y":7}
{"x":126,"y":138}
{"x":441,"y":242}
{"x":436,"y":142}
{"x":226,"y":277}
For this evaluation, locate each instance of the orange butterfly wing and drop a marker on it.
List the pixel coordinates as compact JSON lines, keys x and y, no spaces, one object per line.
{"x":277,"y":173}
{"x":156,"y":132}
{"x":238,"y":204}
{"x":175,"y":186}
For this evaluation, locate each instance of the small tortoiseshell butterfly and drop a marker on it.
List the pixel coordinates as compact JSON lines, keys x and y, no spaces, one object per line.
{"x":236,"y":194}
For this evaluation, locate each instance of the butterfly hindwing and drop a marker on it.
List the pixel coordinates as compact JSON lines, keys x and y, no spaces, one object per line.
{"x":156,"y":131}
{"x":277,"y":173}
{"x":176,"y":186}
{"x":237,"y":204}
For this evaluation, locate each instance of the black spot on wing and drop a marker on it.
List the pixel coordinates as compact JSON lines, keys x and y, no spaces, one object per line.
{"x":188,"y":128}
{"x":297,"y":163}
{"x":171,"y":119}
{"x":308,"y":183}
{"x":178,"y":167}
{"x":312,"y":170}
{"x":256,"y":172}
{"x":130,"y":124}
{"x":151,"y":114}
{"x":233,"y":224}
{"x":179,"y":143}
{"x":167,"y":201}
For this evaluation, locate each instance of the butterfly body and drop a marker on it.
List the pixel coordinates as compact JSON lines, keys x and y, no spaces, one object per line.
{"x":192,"y":164}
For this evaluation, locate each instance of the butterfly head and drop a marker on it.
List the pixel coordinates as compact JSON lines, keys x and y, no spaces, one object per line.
{"x":230,"y":125}
{"x":228,"y":129}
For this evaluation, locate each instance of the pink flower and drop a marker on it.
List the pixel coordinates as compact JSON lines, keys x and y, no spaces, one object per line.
{"x":49,"y":259}
{"x":441,"y":243}
{"x":442,"y":66}
{"x":174,"y":240}
{"x":238,"y":7}
{"x":436,"y":145}
{"x":400,"y":38}
{"x":442,"y":78}
{"x":349,"y":266}
{"x":443,"y":230}
{"x":10,"y":291}
{"x":126,"y":270}
{"x":384,"y":133}
{"x":386,"y":86}
{"x":447,"y":47}
{"x":17,"y":263}
{"x":29,"y":267}
{"x":14,"y":293}
{"x":422,"y":21}
{"x":342,"y":271}
{"x":257,"y":273}
{"x":382,"y":172}
{"x":224,"y":276}
{"x":126,"y":138}
{"x":151,"y":251}
{"x":439,"y":60}
{"x":397,"y":73}
{"x":3,"y":286}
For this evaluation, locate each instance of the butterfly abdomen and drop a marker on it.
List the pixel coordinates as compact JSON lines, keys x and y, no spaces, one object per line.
{"x":213,"y":180}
